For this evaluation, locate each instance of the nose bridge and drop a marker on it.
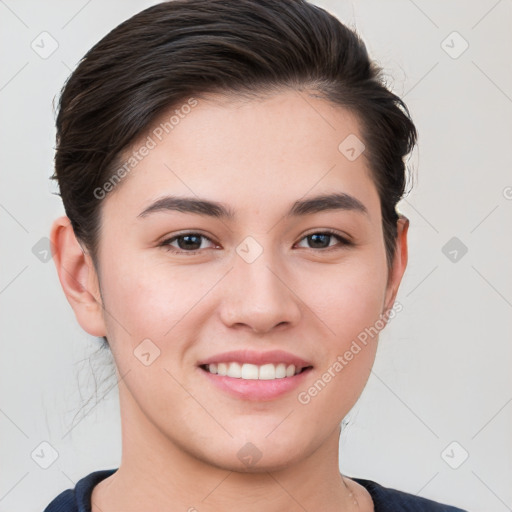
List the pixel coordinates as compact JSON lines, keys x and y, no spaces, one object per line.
{"x":258,"y":294}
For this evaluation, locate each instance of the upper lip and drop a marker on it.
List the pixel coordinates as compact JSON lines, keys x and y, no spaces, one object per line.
{"x":257,"y":358}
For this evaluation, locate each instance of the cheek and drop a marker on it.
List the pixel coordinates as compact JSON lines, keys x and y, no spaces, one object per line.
{"x":350,"y":307}
{"x":349,"y":304}
{"x":347,"y":298}
{"x":147,"y":298}
{"x":152,"y":300}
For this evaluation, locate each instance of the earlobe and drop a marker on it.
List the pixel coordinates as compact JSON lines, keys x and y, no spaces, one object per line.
{"x":77,"y":277}
{"x":399,"y":264}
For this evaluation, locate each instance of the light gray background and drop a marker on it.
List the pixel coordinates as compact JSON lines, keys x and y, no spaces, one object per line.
{"x":442,"y":373}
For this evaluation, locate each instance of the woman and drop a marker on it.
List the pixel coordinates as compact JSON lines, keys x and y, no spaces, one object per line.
{"x":230,"y":172}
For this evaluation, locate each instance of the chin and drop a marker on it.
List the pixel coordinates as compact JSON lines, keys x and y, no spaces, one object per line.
{"x":259,"y":455}
{"x":267,"y":463}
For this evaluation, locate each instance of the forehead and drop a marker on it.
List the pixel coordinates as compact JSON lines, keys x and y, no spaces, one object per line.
{"x":257,"y":151}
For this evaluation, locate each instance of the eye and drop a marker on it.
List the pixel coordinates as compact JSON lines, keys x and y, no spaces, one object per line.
{"x":188,"y":243}
{"x":191,"y":243}
{"x":319,"y":239}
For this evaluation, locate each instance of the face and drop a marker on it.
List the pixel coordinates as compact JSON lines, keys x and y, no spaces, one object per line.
{"x":277,"y":287}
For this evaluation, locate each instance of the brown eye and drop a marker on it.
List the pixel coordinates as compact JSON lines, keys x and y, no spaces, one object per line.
{"x":322,"y":240}
{"x":187,"y":243}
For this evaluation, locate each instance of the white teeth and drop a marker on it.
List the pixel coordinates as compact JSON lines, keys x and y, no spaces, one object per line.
{"x":252,"y":371}
{"x":267,"y":372}
{"x":222,"y":368}
{"x":234,"y":370}
{"x":249,"y":371}
{"x":280,"y":371}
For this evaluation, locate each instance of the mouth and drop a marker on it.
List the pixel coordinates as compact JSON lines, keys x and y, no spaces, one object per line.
{"x":259,"y":376}
{"x":248,"y":371}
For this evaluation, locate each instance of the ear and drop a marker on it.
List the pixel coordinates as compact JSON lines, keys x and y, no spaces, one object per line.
{"x":399,"y":264}
{"x":77,"y":277}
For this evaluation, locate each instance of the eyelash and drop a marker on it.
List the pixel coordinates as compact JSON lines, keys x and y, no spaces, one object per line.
{"x":344,"y":241}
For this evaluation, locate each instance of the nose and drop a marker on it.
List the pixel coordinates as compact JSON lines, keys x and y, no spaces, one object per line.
{"x":259,"y":295}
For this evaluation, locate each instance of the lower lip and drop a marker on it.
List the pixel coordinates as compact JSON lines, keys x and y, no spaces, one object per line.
{"x":255,"y":389}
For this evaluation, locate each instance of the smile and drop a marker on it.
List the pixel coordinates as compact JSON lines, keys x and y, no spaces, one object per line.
{"x":248,"y":371}
{"x":254,"y":375}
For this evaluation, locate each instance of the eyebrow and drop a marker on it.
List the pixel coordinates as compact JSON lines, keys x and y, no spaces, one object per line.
{"x":326,"y":202}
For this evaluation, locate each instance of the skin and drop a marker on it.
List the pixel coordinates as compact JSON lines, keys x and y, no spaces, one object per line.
{"x":180,"y":434}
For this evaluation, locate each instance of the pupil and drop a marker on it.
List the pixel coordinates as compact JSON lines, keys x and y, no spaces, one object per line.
{"x":187,"y":245}
{"x":316,"y":236}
